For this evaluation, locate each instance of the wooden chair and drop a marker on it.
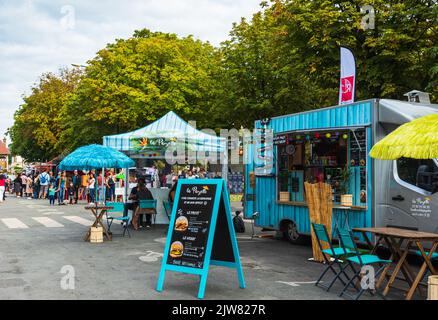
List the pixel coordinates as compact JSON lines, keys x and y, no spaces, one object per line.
{"x":145,"y":207}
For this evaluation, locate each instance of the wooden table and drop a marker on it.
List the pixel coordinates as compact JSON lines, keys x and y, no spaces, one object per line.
{"x":98,"y":211}
{"x":399,"y":242}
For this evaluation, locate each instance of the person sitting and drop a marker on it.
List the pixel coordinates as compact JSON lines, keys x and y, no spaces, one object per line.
{"x":140,"y":192}
{"x":172,"y":191}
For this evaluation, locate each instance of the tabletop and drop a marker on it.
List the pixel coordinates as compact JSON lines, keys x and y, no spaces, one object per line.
{"x":99,"y":206}
{"x":400,"y":233}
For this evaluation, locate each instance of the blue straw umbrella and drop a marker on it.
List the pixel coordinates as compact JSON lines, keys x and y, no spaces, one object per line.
{"x":95,"y":156}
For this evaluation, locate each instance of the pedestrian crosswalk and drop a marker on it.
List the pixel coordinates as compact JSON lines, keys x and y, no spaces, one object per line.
{"x":79,"y":220}
{"x":14,"y":223}
{"x":47,"y":222}
{"x":31,"y":222}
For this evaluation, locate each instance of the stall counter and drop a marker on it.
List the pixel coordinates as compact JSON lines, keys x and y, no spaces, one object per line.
{"x":160,"y":194}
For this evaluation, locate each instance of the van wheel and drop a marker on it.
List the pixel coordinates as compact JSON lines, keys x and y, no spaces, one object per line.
{"x":290,"y":233}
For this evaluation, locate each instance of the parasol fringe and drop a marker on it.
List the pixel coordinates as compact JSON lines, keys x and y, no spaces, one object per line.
{"x":417,"y":139}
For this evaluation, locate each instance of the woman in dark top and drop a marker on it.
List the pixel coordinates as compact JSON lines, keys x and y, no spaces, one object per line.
{"x":141,"y":192}
{"x":17,"y":186}
{"x":172,"y":192}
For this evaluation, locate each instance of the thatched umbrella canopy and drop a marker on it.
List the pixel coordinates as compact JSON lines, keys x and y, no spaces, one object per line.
{"x":417,"y":139}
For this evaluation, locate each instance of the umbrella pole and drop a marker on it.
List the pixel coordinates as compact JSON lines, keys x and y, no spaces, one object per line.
{"x":103,"y":188}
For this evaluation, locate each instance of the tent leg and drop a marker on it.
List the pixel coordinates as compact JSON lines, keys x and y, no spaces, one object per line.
{"x":225,"y":166}
{"x":125,"y":198}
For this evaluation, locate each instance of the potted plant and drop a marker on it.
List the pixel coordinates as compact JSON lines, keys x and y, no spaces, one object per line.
{"x":346,"y":199}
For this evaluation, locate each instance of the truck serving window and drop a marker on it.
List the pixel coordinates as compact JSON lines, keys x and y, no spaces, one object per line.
{"x":322,"y":156}
{"x":420,"y":173}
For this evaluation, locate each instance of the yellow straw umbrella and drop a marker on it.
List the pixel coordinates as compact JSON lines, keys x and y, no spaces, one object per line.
{"x":417,"y":139}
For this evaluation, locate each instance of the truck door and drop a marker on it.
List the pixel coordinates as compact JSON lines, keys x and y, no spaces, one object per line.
{"x":412,"y":197}
{"x":249,"y":195}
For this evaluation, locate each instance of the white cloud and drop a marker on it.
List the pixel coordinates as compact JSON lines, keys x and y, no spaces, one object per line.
{"x":35,"y":38}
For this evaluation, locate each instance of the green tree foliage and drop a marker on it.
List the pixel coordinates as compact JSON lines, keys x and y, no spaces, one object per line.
{"x":392,"y":58}
{"x":38,"y":122}
{"x":135,"y":81}
{"x":287,"y":58}
{"x":284,"y":60}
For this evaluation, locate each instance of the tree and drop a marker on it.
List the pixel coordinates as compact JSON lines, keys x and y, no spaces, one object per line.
{"x":133,"y":82}
{"x":37,"y":123}
{"x":286,"y":59}
{"x":393,"y":58}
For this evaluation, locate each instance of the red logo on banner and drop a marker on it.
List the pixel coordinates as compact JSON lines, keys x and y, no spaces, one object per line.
{"x":347,"y":84}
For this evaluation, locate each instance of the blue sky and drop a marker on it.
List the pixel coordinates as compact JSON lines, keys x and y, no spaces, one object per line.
{"x":38,"y":36}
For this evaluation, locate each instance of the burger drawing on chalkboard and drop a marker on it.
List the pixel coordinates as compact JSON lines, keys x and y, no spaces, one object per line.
{"x":181,"y":224}
{"x":176,"y":249}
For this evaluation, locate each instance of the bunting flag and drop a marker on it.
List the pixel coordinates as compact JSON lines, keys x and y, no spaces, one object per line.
{"x":347,"y":86}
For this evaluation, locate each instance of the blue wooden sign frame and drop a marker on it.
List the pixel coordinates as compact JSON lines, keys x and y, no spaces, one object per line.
{"x":221,"y":195}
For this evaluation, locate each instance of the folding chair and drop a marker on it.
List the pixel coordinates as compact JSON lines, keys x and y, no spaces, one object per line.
{"x":167,"y":208}
{"x":146,"y":207}
{"x":335,"y":253}
{"x":118,"y":207}
{"x":361,"y":260}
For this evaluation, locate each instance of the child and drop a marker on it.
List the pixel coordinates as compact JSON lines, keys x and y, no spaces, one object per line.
{"x":71,"y":192}
{"x":52,"y":191}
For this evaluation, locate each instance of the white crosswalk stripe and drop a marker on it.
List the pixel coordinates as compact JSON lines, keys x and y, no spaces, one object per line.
{"x":14,"y":223}
{"x":47,"y":222}
{"x":79,"y":220}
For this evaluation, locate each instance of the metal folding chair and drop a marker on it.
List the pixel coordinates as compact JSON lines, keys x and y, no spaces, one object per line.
{"x":117,"y":207}
{"x":147,"y":207}
{"x":334,"y":253}
{"x":167,"y":208}
{"x":361,"y":260}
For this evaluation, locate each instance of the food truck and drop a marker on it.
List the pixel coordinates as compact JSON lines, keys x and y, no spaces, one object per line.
{"x":332,"y":145}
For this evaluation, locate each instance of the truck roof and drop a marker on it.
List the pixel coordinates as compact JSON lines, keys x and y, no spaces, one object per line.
{"x":399,"y":112}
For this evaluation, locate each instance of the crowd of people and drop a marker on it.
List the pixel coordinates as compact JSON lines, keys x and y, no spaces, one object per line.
{"x":67,"y":188}
{"x":92,"y":186}
{"x":61,"y":188}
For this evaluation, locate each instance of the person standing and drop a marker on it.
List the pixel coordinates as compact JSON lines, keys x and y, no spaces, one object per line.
{"x":52,"y":191}
{"x":2,"y":187}
{"x":17,"y":186}
{"x":84,"y":190}
{"x":190,"y":175}
{"x":29,"y":187}
{"x":76,"y":181}
{"x":23,"y":185}
{"x":36,"y":186}
{"x":100,"y":187}
{"x":62,"y":184}
{"x":111,"y":186}
{"x":71,"y":191}
{"x":44,"y":179}
{"x":91,"y":188}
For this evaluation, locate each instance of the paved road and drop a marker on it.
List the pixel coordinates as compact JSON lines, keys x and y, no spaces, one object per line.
{"x":37,"y":241}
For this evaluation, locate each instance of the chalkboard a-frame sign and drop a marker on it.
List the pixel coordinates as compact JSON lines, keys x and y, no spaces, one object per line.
{"x":201,"y":232}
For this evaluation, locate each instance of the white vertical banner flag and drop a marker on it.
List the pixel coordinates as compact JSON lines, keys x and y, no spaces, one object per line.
{"x":347,"y":86}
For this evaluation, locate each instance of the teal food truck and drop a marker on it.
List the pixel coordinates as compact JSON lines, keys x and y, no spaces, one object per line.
{"x":332,"y":145}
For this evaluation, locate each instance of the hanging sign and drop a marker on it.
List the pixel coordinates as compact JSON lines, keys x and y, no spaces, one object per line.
{"x":280,"y":139}
{"x":201,"y":232}
{"x":150,"y":145}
